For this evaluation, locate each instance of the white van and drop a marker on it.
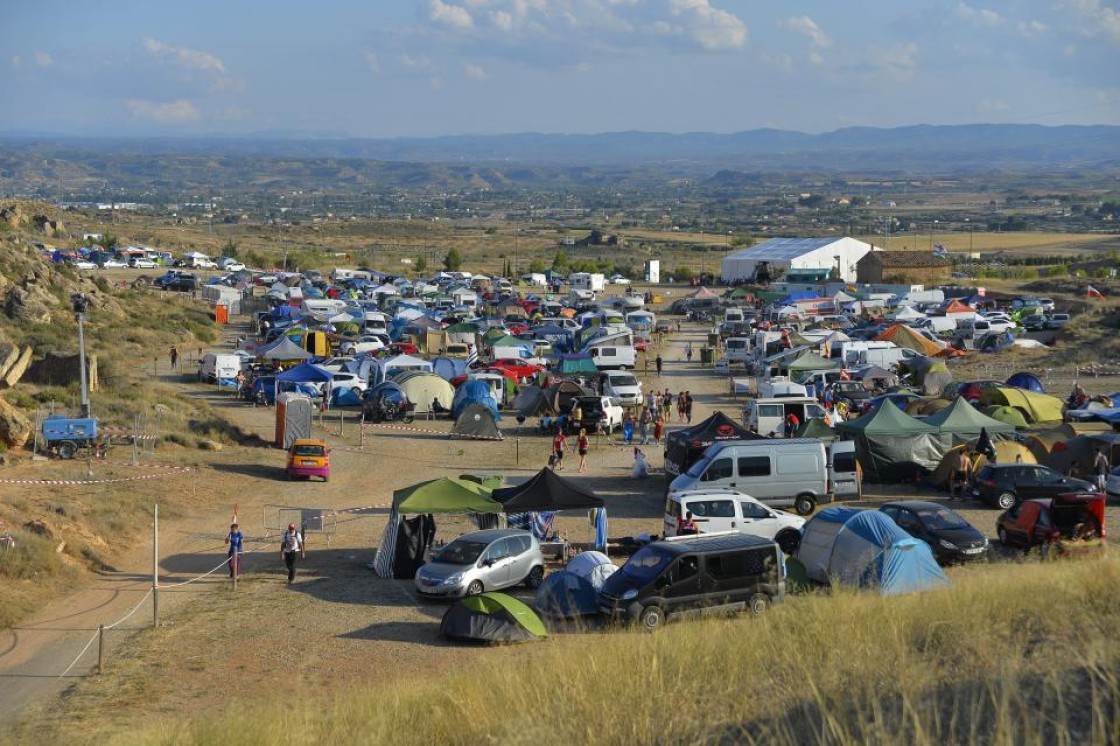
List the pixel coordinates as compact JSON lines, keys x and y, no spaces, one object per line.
{"x":777,"y":472}
{"x":780,"y":387}
{"x":216,"y":366}
{"x":618,"y":384}
{"x":842,"y":470}
{"x":767,"y":416}
{"x":939,"y":324}
{"x":613,"y":356}
{"x":737,"y":349}
{"x":716,"y":510}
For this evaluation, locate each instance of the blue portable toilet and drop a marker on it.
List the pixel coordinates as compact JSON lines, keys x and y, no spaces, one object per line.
{"x":866,"y":549}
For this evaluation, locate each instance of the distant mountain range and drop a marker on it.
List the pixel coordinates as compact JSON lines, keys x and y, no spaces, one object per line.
{"x":600,"y":158}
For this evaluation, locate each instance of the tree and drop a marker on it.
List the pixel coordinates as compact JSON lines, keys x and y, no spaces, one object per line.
{"x":560,"y":261}
{"x":452,"y":262}
{"x":536,"y":266}
{"x":421,"y":265}
{"x":230,"y":249}
{"x":683,"y":273}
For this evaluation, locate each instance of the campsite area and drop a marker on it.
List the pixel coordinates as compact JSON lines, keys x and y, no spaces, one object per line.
{"x":338,"y":627}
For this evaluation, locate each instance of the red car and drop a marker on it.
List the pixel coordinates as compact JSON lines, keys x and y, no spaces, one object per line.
{"x":516,"y":369}
{"x":399,"y":348}
{"x":1077,"y":516}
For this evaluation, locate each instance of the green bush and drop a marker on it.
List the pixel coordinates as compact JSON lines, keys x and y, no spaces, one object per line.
{"x":33,"y":556}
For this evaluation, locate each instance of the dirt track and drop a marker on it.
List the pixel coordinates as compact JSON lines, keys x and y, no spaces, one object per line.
{"x":338,"y":626}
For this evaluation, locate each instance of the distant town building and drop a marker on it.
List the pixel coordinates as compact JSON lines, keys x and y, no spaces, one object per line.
{"x":903,"y":267}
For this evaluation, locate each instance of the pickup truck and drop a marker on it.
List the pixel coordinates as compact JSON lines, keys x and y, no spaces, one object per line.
{"x":598,"y":412}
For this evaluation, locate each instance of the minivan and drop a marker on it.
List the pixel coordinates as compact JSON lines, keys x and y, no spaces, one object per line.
{"x":843,"y":471}
{"x":767,"y":416}
{"x":777,"y":472}
{"x":695,"y":576}
{"x":719,"y":510}
{"x":215,"y":367}
{"x":481,"y":561}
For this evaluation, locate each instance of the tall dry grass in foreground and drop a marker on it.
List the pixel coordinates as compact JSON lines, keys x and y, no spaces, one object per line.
{"x":1012,"y":654}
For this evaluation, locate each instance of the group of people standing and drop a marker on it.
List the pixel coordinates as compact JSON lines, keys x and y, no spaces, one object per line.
{"x":649,"y":421}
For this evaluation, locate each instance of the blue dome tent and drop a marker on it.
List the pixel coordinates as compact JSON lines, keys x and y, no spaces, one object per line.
{"x":564,"y":595}
{"x":1027,"y":381}
{"x":866,"y":549}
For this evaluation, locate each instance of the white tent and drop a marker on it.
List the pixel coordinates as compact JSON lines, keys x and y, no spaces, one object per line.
{"x":784,"y":254}
{"x":907,"y":313}
{"x":385,"y":289}
{"x":405,"y":362}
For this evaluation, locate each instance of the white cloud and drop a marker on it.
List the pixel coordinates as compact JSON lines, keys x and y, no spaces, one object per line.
{"x":1096,"y":18}
{"x":372,"y":61}
{"x":474,"y":72}
{"x":43,"y":59}
{"x":17,"y":63}
{"x":897,"y":61}
{"x":988,"y":106}
{"x":978,"y":16}
{"x":187,"y":59}
{"x":711,"y":28}
{"x":168,"y":112}
{"x":807,"y":27}
{"x":1032,"y":28}
{"x":419,"y":63}
{"x":816,"y":59}
{"x":449,"y":15}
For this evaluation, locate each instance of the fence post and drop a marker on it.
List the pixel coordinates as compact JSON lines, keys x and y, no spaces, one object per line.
{"x":100,"y":647}
{"x":341,"y":422}
{"x":517,"y":451}
{"x":235,"y":560}
{"x":155,"y":565}
{"x":362,"y":431}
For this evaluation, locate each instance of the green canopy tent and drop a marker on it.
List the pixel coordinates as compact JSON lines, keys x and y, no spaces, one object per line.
{"x":892,"y":446}
{"x":405,"y":541}
{"x":962,"y":423}
{"x":491,"y":617}
{"x":810,"y":361}
{"x":815,"y":428}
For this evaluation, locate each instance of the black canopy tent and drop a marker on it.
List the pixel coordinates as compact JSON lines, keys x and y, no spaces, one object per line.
{"x":546,"y":490}
{"x":684,"y":447}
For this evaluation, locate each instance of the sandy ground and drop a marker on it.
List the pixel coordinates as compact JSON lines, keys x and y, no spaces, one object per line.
{"x":338,"y":626}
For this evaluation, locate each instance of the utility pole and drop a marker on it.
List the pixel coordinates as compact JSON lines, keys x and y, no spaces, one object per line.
{"x":81,"y":306}
{"x":155,"y":565}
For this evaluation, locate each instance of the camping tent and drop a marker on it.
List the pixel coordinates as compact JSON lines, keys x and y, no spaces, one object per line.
{"x":284,"y":349}
{"x":816,"y":428}
{"x":564,"y":595}
{"x":491,"y":617}
{"x":810,"y":361}
{"x":476,"y":421}
{"x":1035,"y":407}
{"x":594,"y":567}
{"x":306,"y":373}
{"x":865,"y":548}
{"x":531,"y":401}
{"x":684,"y":447}
{"x":962,"y":422}
{"x":422,"y":388}
{"x":449,"y":367}
{"x":405,"y":362}
{"x":904,"y":336}
{"x":1006,"y":414}
{"x":1026,"y":381}
{"x":546,"y":490}
{"x":891,"y":445}
{"x":874,"y":377}
{"x":580,"y":362}
{"x":1007,"y":452}
{"x":474,"y":391}
{"x":931,"y":373}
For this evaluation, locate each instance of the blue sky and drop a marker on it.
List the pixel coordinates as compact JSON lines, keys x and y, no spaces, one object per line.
{"x":386,"y":68}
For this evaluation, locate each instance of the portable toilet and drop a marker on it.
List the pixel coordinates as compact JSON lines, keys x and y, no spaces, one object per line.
{"x":293,"y":418}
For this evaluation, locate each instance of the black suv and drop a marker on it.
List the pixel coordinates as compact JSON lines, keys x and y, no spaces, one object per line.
{"x":184,"y":283}
{"x":1003,"y":485}
{"x":591,"y":407}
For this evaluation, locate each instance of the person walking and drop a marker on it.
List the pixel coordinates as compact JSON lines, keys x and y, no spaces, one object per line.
{"x":174,"y":355}
{"x":290,"y":545}
{"x":628,"y":428}
{"x":583,"y":445}
{"x":559,"y":445}
{"x":667,"y":405}
{"x":1100,"y":469}
{"x":235,"y":539}
{"x":658,"y":430}
{"x":644,"y":425}
{"x":961,"y":475}
{"x":688,"y":407}
{"x":658,"y":363}
{"x":651,"y":400}
{"x":688,"y":352}
{"x":680,"y":406}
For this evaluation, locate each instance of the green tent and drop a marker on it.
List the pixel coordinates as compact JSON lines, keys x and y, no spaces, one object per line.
{"x":892,"y":446}
{"x":1034,"y":407}
{"x":815,"y":428}
{"x":505,"y":340}
{"x":491,"y":617}
{"x":463,"y":327}
{"x":808,"y":362}
{"x":1006,"y":414}
{"x":963,"y":423}
{"x":445,"y":495}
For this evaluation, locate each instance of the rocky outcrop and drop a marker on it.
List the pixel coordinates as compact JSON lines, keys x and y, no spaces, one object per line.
{"x":9,"y":353}
{"x":28,"y":305}
{"x":15,"y":429}
{"x":16,"y":370}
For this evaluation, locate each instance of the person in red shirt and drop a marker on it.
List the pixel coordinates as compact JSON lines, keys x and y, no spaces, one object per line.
{"x":792,"y":423}
{"x":687,"y":525}
{"x":559,"y":445}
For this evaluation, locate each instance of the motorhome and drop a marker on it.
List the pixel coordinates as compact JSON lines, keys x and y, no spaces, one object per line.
{"x":216,"y":367}
{"x":612,"y":351}
{"x":641,"y":322}
{"x":593,"y":281}
{"x":737,"y":349}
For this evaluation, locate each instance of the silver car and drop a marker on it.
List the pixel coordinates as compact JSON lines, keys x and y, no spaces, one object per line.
{"x":482,"y":561}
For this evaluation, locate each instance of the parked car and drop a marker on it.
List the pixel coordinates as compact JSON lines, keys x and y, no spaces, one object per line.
{"x":1036,"y":322}
{"x":141,"y":262}
{"x":335,"y":364}
{"x":482,"y":561}
{"x":183,"y":283}
{"x":84,"y":264}
{"x":1041,"y":522}
{"x":517,"y":369}
{"x":598,"y":412}
{"x":694,"y":576}
{"x":308,"y":458}
{"x":716,"y":510}
{"x":1057,"y":320}
{"x":230,"y":264}
{"x":619,"y":280}
{"x":361,"y":345}
{"x":347,"y":380}
{"x":1002,"y":485}
{"x":113,"y":264}
{"x":952,"y":538}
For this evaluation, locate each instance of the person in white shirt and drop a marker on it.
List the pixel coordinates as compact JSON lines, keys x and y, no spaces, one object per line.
{"x":291,"y":545}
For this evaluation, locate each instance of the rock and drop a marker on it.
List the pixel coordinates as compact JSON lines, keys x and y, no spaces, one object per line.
{"x":17,"y":369}
{"x":210,"y":445}
{"x":15,"y":429}
{"x":38,"y":527}
{"x":30,"y":306}
{"x":9,"y":353}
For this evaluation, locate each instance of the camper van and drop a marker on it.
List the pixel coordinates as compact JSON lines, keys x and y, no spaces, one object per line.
{"x":883,"y":354}
{"x":779,"y":387}
{"x":592,"y":281}
{"x":778,"y":472}
{"x":737,"y":349}
{"x":766,"y":416}
{"x":374,"y":322}
{"x":215,"y":366}
{"x":609,"y":355}
{"x":842,"y":470}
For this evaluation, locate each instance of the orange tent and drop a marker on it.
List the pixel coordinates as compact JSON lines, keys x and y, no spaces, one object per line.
{"x":955,"y":306}
{"x":904,"y":336}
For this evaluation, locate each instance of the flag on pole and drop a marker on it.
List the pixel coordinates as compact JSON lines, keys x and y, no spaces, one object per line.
{"x":1092,"y":292}
{"x":472,"y":356}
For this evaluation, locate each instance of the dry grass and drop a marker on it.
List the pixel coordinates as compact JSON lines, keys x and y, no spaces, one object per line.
{"x":1027,"y":241}
{"x":1012,"y":654}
